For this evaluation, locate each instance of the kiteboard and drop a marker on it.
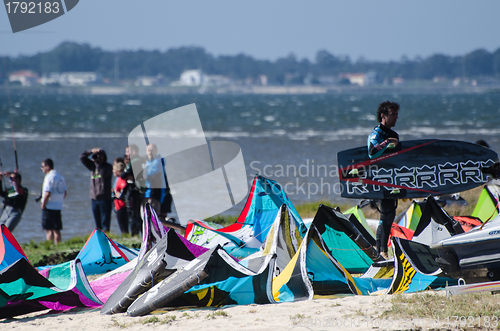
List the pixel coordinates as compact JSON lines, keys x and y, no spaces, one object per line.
{"x":415,"y":169}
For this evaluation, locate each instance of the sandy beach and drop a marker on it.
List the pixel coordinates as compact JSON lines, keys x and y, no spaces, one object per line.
{"x":336,"y":313}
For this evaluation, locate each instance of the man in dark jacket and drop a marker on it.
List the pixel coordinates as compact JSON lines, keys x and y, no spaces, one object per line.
{"x":101,"y":174}
{"x":134,"y":191}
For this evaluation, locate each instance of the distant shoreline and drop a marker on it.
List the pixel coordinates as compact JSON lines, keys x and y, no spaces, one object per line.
{"x":254,"y":90}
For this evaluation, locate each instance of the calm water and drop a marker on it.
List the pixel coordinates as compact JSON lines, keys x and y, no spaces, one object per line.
{"x":293,"y":139}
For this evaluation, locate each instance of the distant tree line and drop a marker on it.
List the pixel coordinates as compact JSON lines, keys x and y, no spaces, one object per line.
{"x":70,"y":56}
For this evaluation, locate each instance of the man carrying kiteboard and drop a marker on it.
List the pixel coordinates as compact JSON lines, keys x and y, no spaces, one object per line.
{"x":381,"y":139}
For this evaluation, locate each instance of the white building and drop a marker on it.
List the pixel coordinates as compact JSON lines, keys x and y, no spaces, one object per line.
{"x":198,"y":78}
{"x":81,"y":78}
{"x":149,"y":80}
{"x":361,"y":79}
{"x":192,"y":78}
{"x":25,"y":77}
{"x":262,"y":79}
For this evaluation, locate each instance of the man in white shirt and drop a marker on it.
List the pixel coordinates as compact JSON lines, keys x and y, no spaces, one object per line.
{"x":53,"y":193}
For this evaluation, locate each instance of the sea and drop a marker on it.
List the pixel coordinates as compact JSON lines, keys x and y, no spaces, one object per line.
{"x":292,"y":139}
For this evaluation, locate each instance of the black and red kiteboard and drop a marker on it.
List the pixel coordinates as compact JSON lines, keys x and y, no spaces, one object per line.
{"x":415,"y":169}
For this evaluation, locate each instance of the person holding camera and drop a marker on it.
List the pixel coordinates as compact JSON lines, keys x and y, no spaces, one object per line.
{"x":101,"y":175}
{"x":15,"y":199}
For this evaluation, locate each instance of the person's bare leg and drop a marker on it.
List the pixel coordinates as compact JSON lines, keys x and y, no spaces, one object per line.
{"x":49,"y":235}
{"x":57,"y":236}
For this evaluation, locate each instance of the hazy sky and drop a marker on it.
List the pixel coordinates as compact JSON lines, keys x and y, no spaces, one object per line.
{"x":375,"y":29}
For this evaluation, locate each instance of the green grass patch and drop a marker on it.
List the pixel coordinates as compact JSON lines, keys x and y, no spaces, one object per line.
{"x":47,"y":253}
{"x":224,"y":220}
{"x":217,"y":313}
{"x":149,"y":320}
{"x":309,"y":209}
{"x":167,"y":319}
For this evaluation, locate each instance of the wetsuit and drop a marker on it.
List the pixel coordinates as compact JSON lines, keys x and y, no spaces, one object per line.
{"x":377,"y":144}
{"x":377,"y":140}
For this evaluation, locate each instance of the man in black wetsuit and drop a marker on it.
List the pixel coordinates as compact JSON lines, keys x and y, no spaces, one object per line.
{"x":381,"y":139}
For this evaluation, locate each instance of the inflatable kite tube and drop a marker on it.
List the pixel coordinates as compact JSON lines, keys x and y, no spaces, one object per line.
{"x":172,"y":287}
{"x":150,"y":268}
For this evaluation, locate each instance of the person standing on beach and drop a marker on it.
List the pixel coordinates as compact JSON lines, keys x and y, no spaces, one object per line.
{"x":118,"y":190}
{"x":101,"y":176}
{"x":54,"y":191}
{"x":133,"y":192}
{"x":154,"y":178}
{"x":381,"y":139}
{"x":15,"y":199}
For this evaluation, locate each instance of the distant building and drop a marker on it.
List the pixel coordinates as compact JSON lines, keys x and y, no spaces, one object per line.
{"x":192,"y":78}
{"x":398,"y":81}
{"x":25,"y":77}
{"x":149,"y":80}
{"x":361,"y":79}
{"x":262,"y":79}
{"x":357,"y":79}
{"x":79,"y":78}
{"x":82,"y":78}
{"x":50,"y":79}
{"x":198,"y":78}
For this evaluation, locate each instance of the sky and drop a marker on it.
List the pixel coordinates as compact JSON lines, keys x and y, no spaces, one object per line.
{"x":377,"y":30}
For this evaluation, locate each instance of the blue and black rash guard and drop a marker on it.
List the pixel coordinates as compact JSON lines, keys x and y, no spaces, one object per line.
{"x":377,"y":140}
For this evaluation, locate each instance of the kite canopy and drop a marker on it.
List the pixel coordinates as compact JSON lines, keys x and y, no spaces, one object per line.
{"x":100,"y":254}
{"x":10,"y":250}
{"x":267,"y":256}
{"x":246,"y":235}
{"x":487,"y":206}
{"x":346,"y":239}
{"x":23,"y":289}
{"x":411,"y":216}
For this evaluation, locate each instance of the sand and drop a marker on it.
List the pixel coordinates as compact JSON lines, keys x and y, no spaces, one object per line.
{"x":338,"y":313}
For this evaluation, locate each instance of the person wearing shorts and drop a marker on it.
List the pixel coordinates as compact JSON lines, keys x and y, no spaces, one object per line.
{"x":54,"y":191}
